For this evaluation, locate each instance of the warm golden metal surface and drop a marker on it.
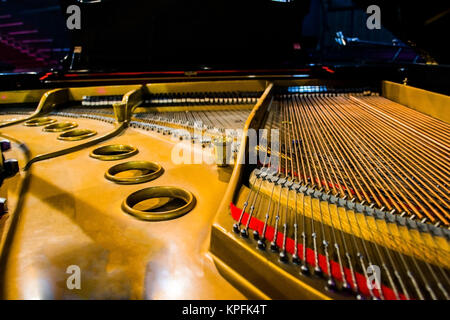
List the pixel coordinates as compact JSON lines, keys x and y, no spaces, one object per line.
{"x":222,"y":151}
{"x":56,"y":98}
{"x":134,"y":172}
{"x":113,"y":152}
{"x":430,"y":103}
{"x":77,"y":134}
{"x":21,"y":96}
{"x":80,"y":222}
{"x":76,"y":94}
{"x":206,"y":86}
{"x":48,"y":101}
{"x":60,"y":126}
{"x":44,"y":142}
{"x":38,"y":122}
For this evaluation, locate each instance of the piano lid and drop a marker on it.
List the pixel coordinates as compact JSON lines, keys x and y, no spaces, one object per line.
{"x":134,"y":35}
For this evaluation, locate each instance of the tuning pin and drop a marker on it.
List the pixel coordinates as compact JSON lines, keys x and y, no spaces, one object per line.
{"x":346,"y":287}
{"x":244,"y":233}
{"x":304,"y":269}
{"x":283,"y":256}
{"x":318,"y":271}
{"x":262,"y":244}
{"x":331,"y":284}
{"x":360,"y":297}
{"x":273,"y":246}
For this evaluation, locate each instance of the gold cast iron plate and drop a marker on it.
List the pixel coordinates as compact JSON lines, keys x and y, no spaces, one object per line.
{"x":113,"y":152}
{"x":134,"y":172}
{"x":77,"y":134}
{"x":159,"y":211}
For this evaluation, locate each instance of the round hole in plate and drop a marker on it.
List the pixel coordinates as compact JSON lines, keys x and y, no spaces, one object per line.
{"x":77,"y":134}
{"x":134,"y":172}
{"x":37,"y":122}
{"x":159,"y":203}
{"x":113,"y":152}
{"x":60,"y":126}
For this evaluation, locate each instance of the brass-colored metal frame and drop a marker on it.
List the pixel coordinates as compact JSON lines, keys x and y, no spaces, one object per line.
{"x":199,"y":86}
{"x":77,"y":134}
{"x":122,"y":112}
{"x":60,"y":127}
{"x":57,"y":97}
{"x":430,"y":103}
{"x":39,"y":122}
{"x":21,"y":96}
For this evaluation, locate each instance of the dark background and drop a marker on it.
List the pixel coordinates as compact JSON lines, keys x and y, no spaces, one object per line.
{"x":220,"y":34}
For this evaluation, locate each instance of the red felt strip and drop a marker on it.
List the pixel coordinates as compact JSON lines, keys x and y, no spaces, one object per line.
{"x":258,"y":225}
